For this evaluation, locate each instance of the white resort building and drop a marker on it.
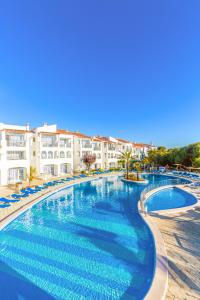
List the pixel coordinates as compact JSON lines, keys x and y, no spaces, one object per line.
{"x":52,"y":151}
{"x":15,"y":153}
{"x":56,"y":152}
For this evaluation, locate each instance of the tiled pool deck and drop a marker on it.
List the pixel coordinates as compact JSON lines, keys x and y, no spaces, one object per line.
{"x":181,"y":234}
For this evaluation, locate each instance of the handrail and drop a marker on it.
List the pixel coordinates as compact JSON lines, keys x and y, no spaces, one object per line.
{"x":155,"y":186}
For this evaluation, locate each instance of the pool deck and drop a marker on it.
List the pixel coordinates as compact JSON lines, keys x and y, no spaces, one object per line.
{"x":181,"y":235}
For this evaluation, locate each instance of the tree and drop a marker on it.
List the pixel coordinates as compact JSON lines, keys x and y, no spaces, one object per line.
{"x":186,"y":156}
{"x":145,"y":161}
{"x":126,"y":159}
{"x":137,"y":167}
{"x":88,"y":160}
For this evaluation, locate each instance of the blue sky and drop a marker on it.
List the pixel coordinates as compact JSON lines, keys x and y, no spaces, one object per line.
{"x":127,"y":68}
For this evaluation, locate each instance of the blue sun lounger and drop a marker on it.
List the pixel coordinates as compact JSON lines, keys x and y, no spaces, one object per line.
{"x":5,"y":200}
{"x":16,"y":196}
{"x":5,"y":205}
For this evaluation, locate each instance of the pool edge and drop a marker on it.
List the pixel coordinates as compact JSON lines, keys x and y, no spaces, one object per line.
{"x":15,"y":214}
{"x":172,"y":210}
{"x":159,"y":285}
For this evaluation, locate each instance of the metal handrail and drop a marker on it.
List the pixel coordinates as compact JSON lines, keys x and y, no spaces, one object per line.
{"x":155,"y":186}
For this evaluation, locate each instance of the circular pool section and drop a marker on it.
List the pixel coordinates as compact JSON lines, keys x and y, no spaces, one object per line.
{"x":169,"y":198}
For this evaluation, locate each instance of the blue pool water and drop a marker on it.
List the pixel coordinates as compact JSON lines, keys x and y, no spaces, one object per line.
{"x":169,"y":199}
{"x":87,"y":241}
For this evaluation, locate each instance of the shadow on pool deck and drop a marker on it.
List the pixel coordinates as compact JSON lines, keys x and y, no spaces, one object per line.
{"x":13,"y":286}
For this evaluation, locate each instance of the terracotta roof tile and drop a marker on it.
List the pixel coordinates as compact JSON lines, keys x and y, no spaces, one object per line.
{"x":123,"y":141}
{"x":16,"y":130}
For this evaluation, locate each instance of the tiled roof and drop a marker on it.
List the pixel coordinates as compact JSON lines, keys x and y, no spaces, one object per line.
{"x":142,"y":145}
{"x":16,"y":130}
{"x":104,"y":139}
{"x":75,"y":133}
{"x":123,"y":141}
{"x":96,"y":139}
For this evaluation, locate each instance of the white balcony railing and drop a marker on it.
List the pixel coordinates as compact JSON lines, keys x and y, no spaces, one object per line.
{"x":96,"y":148}
{"x":16,"y":143}
{"x":49,"y":145}
{"x":68,"y":145}
{"x":87,"y":146}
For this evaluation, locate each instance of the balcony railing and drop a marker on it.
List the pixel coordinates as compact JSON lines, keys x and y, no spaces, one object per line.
{"x":15,"y":157}
{"x":96,"y":148}
{"x":49,"y":145}
{"x":16,"y":143}
{"x":87,"y":146}
{"x":111,"y":148}
{"x":68,"y":145}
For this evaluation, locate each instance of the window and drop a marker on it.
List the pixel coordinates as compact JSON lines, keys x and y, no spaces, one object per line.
{"x":99,"y":155}
{"x":16,"y":155}
{"x":49,"y":141}
{"x":43,"y":155}
{"x":86,"y":144}
{"x":33,"y":153}
{"x":55,"y":154}
{"x":15,"y":140}
{"x":68,"y":154}
{"x":62,"y":154}
{"x":50,"y":154}
{"x":16,"y":175}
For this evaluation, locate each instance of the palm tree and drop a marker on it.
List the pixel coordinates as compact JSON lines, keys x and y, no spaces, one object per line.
{"x":145,"y":162}
{"x":32,"y":174}
{"x":126,"y":158}
{"x":137,"y":166}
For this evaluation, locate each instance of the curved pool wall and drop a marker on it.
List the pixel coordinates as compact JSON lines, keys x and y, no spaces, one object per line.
{"x":87,"y":241}
{"x":169,"y":198}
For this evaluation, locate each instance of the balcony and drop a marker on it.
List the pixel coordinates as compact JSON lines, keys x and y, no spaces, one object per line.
{"x":43,"y":144}
{"x":97,"y":148}
{"x":67,"y":145}
{"x":111,"y":148}
{"x":16,"y":155}
{"x":87,"y":146}
{"x":16,"y":143}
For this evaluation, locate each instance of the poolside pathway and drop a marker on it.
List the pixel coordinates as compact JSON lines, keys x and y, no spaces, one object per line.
{"x":181,"y":234}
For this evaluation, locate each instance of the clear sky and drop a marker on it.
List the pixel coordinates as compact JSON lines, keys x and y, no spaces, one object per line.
{"x":125,"y":68}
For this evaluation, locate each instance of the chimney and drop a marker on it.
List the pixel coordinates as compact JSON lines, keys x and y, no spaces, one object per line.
{"x":27,"y":126}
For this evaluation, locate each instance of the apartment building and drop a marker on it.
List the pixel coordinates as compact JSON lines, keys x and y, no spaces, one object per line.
{"x":57,"y":152}
{"x":98,"y":150}
{"x":82,"y":145}
{"x":141,"y":150}
{"x":15,"y":145}
{"x":52,"y":151}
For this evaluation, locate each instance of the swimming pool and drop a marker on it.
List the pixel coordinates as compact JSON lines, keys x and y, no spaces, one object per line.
{"x":169,"y":198}
{"x":87,"y":241}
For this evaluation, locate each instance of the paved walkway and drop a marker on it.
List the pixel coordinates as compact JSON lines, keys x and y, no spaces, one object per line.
{"x":181,"y":234}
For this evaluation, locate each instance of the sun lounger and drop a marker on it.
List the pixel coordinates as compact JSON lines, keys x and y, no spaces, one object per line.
{"x":5,"y":200}
{"x":4,"y":205}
